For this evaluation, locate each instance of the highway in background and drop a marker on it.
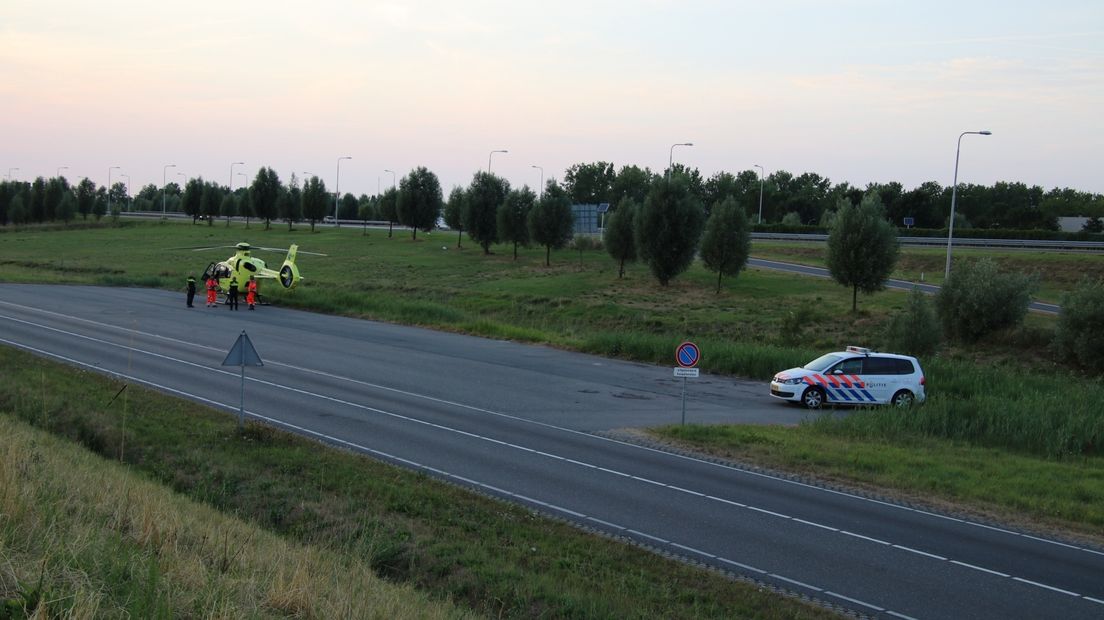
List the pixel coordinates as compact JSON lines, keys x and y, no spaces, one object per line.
{"x":527,"y":424}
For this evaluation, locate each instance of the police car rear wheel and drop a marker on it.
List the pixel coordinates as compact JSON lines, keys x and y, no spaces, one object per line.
{"x":813,"y":398}
{"x":902,"y":398}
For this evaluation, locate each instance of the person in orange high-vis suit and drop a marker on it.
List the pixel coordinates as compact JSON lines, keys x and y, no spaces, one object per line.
{"x":251,"y":291}
{"x":212,"y":292}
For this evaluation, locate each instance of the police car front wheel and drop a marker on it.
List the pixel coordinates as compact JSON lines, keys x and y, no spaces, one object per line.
{"x":813,"y":398}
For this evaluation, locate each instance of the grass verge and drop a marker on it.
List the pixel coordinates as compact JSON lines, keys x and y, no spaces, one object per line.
{"x":483,"y":554}
{"x":83,"y":537}
{"x":1039,"y":493}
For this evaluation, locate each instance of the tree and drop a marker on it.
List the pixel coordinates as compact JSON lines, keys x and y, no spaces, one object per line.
{"x":513,"y":217}
{"x":862,"y":247}
{"x":245,"y":203}
{"x":210,"y":202}
{"x":290,"y":203}
{"x":56,"y":189}
{"x":86,"y":197}
{"x":365,"y":212}
{"x":589,"y":183}
{"x":17,"y":212}
{"x":1080,"y":334}
{"x":315,"y":200}
{"x":388,"y":208}
{"x":99,"y":207}
{"x":485,"y":193}
{"x":1093,"y":225}
{"x":192,"y":200}
{"x":979,"y":299}
{"x":915,"y":330}
{"x":37,"y":200}
{"x":228,"y":208}
{"x":67,"y":209}
{"x":618,"y":237}
{"x":551,"y":222}
{"x":631,"y":182}
{"x":727,"y":240}
{"x":348,"y":207}
{"x":669,"y":227}
{"x":454,"y":212}
{"x":265,"y":191}
{"x":419,"y":201}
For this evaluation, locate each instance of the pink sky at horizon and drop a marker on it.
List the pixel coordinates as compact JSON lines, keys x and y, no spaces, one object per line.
{"x":857,"y":90}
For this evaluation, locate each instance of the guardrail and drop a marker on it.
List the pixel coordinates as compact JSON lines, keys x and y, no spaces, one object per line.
{"x":1035,"y":244}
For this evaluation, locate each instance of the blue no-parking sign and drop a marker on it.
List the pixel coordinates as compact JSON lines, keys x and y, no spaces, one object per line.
{"x":687,"y":355}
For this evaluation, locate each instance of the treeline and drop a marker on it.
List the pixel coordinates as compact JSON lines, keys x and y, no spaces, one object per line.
{"x":779,"y":198}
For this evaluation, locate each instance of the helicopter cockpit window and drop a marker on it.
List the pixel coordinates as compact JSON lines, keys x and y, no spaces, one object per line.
{"x":249,"y":266}
{"x":222,"y":271}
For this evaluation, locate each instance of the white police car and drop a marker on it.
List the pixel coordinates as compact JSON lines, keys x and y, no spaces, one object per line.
{"x":857,"y":376}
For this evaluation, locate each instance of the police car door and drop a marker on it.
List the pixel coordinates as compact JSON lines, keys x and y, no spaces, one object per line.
{"x":845,"y":382}
{"x":880,"y":378}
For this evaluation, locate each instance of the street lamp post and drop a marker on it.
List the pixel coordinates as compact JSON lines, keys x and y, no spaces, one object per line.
{"x":954,"y":196}
{"x":10,"y":172}
{"x":237,"y":163}
{"x":542,"y":179}
{"x":164,"y":183}
{"x":337,"y":189}
{"x":109,"y":187}
{"x":671,"y":155}
{"x":60,"y":168}
{"x":489,"y":158}
{"x":761,"y":172}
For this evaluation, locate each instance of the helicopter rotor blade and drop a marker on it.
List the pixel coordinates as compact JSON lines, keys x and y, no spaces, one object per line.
{"x":284,"y":251}
{"x":201,"y":249}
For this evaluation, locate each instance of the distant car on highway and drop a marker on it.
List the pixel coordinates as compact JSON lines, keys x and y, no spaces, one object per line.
{"x":856,"y":376}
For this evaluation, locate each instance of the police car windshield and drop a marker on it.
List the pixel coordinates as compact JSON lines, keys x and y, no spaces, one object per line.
{"x":821,"y":363}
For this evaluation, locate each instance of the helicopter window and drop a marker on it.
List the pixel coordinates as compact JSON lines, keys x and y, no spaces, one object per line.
{"x":222,"y":271}
{"x":250,"y":266}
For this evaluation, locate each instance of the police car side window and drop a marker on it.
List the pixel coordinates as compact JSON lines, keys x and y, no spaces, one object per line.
{"x":880,"y":366}
{"x":849,"y":367}
{"x":904,"y":367}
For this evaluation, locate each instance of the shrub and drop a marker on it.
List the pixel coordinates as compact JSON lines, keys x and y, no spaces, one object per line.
{"x":1080,"y":333}
{"x":979,"y":299}
{"x":914,"y":330}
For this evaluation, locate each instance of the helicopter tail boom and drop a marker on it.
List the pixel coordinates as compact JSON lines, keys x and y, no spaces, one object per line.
{"x":289,"y":273}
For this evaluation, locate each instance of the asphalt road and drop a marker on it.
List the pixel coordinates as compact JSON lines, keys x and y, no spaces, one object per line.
{"x":903,"y":285}
{"x":518,"y":422}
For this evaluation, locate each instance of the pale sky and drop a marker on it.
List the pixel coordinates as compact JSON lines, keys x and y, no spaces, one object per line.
{"x":855,"y":90}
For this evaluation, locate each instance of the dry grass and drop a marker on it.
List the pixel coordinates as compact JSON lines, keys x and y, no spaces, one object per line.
{"x":82,"y":537}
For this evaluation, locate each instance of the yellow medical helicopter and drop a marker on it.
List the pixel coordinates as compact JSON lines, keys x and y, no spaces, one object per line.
{"x":243,"y":264}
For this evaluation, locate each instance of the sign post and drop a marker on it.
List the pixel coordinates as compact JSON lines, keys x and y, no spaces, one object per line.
{"x":241,"y":354}
{"x":687,"y":356}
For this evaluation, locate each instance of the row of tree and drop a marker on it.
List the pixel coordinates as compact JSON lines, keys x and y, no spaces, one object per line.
{"x":780,"y":197}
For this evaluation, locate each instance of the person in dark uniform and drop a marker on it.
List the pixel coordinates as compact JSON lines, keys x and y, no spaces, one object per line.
{"x":232,"y":295}
{"x":191,"y":288}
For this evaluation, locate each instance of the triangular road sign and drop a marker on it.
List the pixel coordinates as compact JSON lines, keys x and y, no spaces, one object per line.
{"x":242,"y":353}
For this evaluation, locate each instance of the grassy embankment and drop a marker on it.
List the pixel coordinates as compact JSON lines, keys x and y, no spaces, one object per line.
{"x":83,"y":537}
{"x":1009,"y":394}
{"x":312,"y":525}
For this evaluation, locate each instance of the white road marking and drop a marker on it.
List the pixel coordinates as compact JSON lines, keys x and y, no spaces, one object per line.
{"x":918,"y":552}
{"x":873,"y":540}
{"x":856,"y":601}
{"x":984,"y":570}
{"x":542,"y":424}
{"x":1043,"y":585}
{"x":499,"y":442}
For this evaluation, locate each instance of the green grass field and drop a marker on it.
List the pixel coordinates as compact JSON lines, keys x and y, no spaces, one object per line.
{"x":1008,"y":430}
